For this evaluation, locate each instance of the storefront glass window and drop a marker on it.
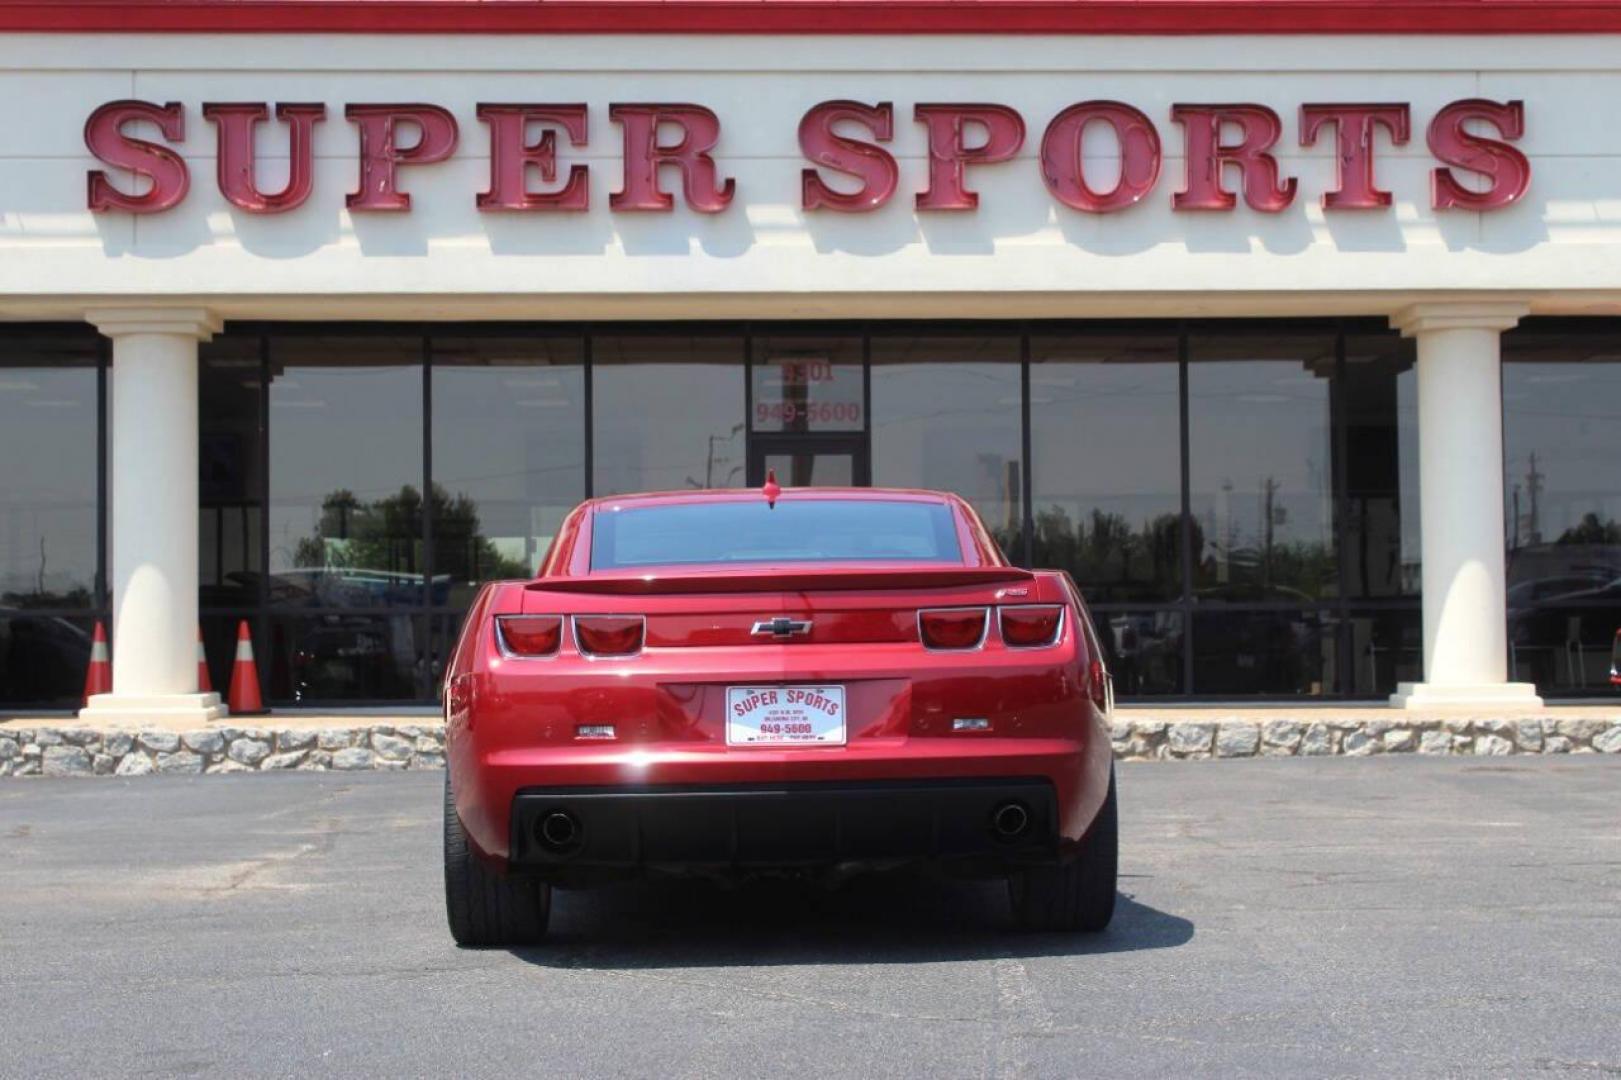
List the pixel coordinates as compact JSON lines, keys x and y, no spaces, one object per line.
{"x":1106,"y":472}
{"x":1299,"y":441}
{"x":48,"y":446}
{"x":508,"y":455}
{"x":231,"y":472}
{"x":668,"y":413}
{"x":946,"y":415}
{"x":346,"y":472}
{"x":49,"y":522}
{"x":1261,"y":468}
{"x":1562,"y":446}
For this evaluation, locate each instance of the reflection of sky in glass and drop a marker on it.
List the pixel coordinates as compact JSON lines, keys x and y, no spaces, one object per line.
{"x":1105,"y":435}
{"x":669,"y":414}
{"x":937,"y":421}
{"x":1569,"y":416}
{"x":47,"y":482}
{"x":1242,"y":443}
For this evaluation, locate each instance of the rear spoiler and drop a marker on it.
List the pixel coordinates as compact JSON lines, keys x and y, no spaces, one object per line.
{"x":758,"y":579}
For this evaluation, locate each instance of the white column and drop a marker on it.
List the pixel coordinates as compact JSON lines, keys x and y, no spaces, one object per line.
{"x":1460,"y":450}
{"x":152,"y":469}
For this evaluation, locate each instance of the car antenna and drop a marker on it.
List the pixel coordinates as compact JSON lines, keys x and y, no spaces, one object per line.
{"x":771,"y":489}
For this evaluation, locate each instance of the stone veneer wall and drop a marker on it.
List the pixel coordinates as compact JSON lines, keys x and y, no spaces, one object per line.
{"x":1148,"y":739}
{"x":74,"y":751}
{"x":68,"y":751}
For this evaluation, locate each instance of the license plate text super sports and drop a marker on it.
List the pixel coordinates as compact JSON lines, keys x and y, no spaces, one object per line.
{"x":785,"y":715}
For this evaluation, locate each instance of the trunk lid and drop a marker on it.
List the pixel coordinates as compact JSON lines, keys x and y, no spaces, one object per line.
{"x":764,"y":607}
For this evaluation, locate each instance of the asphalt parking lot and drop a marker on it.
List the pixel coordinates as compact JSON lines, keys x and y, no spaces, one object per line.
{"x":1410,"y":917}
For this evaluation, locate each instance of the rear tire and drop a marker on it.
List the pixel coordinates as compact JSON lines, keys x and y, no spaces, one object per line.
{"x":1077,"y":894}
{"x":486,"y":908}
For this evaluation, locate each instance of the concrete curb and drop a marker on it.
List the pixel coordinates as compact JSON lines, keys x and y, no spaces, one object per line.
{"x":67,"y":750}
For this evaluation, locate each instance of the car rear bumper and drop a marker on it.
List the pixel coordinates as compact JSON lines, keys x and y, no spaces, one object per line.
{"x":488,"y":784}
{"x":575,"y":834}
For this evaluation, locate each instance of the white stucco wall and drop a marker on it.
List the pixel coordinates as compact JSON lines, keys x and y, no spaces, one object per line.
{"x":1020,"y":253}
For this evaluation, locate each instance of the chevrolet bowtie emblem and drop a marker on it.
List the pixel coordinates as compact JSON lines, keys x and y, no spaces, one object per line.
{"x":782,"y":626}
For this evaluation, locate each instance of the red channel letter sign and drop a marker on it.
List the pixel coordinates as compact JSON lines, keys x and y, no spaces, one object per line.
{"x":1230,"y":152}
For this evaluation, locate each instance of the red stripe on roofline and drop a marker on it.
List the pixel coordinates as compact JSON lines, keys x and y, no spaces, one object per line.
{"x":1168,"y":17}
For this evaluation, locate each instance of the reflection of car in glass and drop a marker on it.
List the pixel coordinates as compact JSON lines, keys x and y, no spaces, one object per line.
{"x":806,"y":682}
{"x":1562,"y":641}
{"x":1254,"y":652}
{"x":1145,"y":650}
{"x":355,"y":658}
{"x":1536,"y":590}
{"x":42,"y":658}
{"x":332,"y":586}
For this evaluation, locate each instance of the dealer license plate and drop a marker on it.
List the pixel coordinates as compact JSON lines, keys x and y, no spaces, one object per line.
{"x":785,"y":716}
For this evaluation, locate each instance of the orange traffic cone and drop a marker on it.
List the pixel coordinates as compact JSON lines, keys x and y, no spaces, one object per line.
{"x":99,"y":679}
{"x":244,"y":699}
{"x":203,"y":685}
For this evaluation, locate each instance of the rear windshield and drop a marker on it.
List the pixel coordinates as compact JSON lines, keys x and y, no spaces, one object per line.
{"x":815,"y":530}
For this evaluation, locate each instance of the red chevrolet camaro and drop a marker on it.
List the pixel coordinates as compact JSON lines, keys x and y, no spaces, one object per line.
{"x":803,"y":682}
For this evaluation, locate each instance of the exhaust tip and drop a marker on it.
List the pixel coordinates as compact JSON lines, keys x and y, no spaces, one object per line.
{"x":558,"y":831}
{"x":1010,"y":820}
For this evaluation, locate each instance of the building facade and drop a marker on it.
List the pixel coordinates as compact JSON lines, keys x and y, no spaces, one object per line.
{"x":1293,"y":334}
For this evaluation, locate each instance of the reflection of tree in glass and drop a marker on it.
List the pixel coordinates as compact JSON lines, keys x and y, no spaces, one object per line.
{"x":1106,"y":553}
{"x":76,"y":597}
{"x":1592,"y":529}
{"x":460,"y":550}
{"x":1286,"y":571}
{"x":386,"y":535}
{"x":1262,"y":566}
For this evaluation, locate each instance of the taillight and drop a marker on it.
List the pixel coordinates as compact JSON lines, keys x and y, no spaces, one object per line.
{"x":952,"y":628}
{"x":609,"y":635}
{"x":1097,"y":685}
{"x":1030,"y":626}
{"x":530,"y":635}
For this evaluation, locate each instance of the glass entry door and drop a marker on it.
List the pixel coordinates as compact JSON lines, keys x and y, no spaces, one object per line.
{"x":806,"y":460}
